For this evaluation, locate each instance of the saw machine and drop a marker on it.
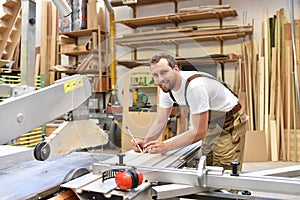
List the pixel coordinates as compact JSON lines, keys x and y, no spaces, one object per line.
{"x":167,"y":177}
{"x":124,"y":175}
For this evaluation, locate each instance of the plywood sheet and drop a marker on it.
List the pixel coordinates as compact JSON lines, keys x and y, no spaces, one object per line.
{"x":255,"y":147}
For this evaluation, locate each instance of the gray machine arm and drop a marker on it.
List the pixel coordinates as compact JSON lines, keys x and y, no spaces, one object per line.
{"x":21,"y":114}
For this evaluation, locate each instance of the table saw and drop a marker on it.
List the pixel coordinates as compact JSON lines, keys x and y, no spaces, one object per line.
{"x":172,"y":175}
{"x":178,"y":173}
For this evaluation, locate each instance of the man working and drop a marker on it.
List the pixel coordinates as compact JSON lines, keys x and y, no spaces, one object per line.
{"x":216,"y":115}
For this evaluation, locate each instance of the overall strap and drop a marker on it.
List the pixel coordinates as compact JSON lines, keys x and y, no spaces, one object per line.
{"x":196,"y":76}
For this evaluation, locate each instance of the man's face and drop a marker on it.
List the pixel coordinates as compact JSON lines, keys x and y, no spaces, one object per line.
{"x":163,"y":75}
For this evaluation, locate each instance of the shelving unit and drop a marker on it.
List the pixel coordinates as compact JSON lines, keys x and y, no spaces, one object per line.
{"x":87,"y":53}
{"x":10,"y":31}
{"x":145,"y":35}
{"x":140,"y":119}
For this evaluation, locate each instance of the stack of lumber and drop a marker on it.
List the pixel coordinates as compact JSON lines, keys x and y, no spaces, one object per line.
{"x":48,"y":50}
{"x":10,"y":31}
{"x":269,"y":87}
{"x":183,"y":34}
{"x":188,"y":14}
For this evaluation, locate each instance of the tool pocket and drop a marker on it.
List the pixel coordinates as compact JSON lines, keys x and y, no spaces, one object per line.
{"x":240,"y":118}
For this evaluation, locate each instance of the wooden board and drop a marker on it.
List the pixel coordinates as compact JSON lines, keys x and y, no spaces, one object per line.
{"x":178,"y":17}
{"x":188,"y":33}
{"x":255,"y":147}
{"x":293,"y":155}
{"x":44,"y":56}
{"x":92,"y":19}
{"x":157,"y":160}
{"x":266,"y":81}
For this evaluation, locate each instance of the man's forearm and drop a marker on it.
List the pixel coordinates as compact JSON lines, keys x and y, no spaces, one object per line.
{"x":182,"y":140}
{"x":154,"y":132}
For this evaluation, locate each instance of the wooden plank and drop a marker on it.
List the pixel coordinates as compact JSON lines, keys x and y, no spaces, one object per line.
{"x":289,"y":133}
{"x":52,"y":46}
{"x":288,"y":78}
{"x":273,"y":141}
{"x":266,"y":67}
{"x":261,"y":85}
{"x":273,"y":128}
{"x":92,"y":19}
{"x":85,"y":63}
{"x":297,"y":54}
{"x":116,"y":3}
{"x":43,"y":35}
{"x":294,"y":137}
{"x":242,"y":92}
{"x":273,"y":83}
{"x":185,"y":32}
{"x":178,"y":18}
{"x":254,"y":77}
{"x":100,"y":58}
{"x":37,"y":65}
{"x":255,"y":147}
{"x":247,"y":60}
{"x":65,"y":195}
{"x":204,"y":8}
{"x":279,"y":109}
{"x":155,"y":160}
{"x":80,"y":134}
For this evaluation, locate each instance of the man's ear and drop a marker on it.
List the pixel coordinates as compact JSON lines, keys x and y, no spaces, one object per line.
{"x":176,"y":68}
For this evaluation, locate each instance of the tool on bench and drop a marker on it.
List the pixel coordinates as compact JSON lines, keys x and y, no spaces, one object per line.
{"x":134,"y":140}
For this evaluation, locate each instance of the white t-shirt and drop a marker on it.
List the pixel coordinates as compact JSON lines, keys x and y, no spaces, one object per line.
{"x":203,"y":94}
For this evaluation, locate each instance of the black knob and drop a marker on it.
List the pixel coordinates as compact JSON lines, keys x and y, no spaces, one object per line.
{"x":234,"y":165}
{"x":31,"y":20}
{"x":121,"y":155}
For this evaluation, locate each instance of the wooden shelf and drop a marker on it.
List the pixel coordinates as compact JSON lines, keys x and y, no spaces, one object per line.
{"x":76,"y":53}
{"x":89,"y":56}
{"x":81,"y":33}
{"x":178,"y":17}
{"x":183,"y":35}
{"x":216,"y":58}
{"x":116,"y":3}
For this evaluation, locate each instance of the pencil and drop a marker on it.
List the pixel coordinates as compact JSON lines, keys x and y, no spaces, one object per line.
{"x":135,"y":141}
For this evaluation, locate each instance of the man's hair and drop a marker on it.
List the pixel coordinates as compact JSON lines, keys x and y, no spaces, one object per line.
{"x":171,"y":60}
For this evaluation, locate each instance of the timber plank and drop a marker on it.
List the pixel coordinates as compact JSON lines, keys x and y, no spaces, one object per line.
{"x":116,"y":3}
{"x":266,"y":72}
{"x":279,"y":108}
{"x":292,"y":149}
{"x":178,"y":18}
{"x":176,"y":38}
{"x":288,"y":92}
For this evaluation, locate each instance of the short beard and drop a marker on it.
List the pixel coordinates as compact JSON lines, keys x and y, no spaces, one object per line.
{"x":164,"y":89}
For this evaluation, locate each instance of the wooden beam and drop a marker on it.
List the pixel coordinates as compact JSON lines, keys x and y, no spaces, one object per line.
{"x":44,"y":38}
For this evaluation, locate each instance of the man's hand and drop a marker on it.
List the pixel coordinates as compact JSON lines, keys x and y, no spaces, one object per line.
{"x":136,"y":144}
{"x":155,"y":147}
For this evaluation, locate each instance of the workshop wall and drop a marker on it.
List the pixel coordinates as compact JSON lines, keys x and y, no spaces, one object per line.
{"x":249,"y":13}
